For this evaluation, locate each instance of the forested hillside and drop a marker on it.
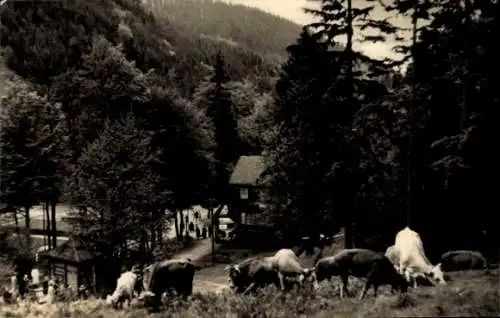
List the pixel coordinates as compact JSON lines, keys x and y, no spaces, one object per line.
{"x":243,"y":26}
{"x":45,"y":43}
{"x":191,"y":46}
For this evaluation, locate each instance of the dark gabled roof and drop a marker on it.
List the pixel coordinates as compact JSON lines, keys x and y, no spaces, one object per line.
{"x":73,"y":250}
{"x":248,"y":170}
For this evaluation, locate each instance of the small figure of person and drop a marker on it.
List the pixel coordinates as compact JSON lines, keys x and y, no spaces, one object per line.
{"x":82,"y":292}
{"x":204,"y":232}
{"x":182,"y":228}
{"x":198,"y":232}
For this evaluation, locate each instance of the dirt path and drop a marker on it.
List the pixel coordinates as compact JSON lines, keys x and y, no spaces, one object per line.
{"x":212,"y":279}
{"x":201,"y":249}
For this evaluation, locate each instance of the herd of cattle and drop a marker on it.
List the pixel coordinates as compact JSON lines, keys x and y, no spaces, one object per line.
{"x":401,"y":266}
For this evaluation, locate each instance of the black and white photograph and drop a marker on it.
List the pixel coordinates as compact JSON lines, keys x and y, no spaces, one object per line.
{"x":249,"y":158}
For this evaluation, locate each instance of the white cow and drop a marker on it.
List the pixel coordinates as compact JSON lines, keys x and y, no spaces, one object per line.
{"x":412,"y":260}
{"x":124,"y":289}
{"x":393,"y":255}
{"x":286,"y":262}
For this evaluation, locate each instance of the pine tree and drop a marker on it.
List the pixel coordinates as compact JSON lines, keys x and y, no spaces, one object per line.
{"x":354,"y":86}
{"x":300,"y":154}
{"x":227,"y":143}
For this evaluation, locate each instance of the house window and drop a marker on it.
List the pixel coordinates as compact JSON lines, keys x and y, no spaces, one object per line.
{"x":244,"y":193}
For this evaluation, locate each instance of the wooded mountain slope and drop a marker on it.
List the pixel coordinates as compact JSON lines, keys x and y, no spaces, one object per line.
{"x":179,"y":38}
{"x":235,"y":23}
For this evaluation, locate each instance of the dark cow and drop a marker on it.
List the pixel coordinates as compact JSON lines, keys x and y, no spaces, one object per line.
{"x":377,"y":268}
{"x":158,"y":278}
{"x":463,"y":260}
{"x":251,"y":274}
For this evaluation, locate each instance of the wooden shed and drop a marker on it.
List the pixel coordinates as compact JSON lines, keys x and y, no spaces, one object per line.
{"x":71,"y":263}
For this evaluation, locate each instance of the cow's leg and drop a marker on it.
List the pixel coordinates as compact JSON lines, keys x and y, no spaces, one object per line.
{"x":282,"y":280}
{"x":407,"y":275}
{"x":343,"y":289}
{"x":249,"y":288}
{"x":401,"y":268}
{"x":365,"y":289}
{"x":415,"y":285}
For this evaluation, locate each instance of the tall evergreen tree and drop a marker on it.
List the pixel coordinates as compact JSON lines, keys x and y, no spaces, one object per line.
{"x":227,"y":143}
{"x":302,"y":149}
{"x":354,"y":86}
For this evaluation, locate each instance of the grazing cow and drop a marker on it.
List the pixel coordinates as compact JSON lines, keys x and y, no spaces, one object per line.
{"x":286,"y":262}
{"x":159,"y":277}
{"x":357,"y":262}
{"x":124,"y":289}
{"x":251,"y":274}
{"x":393,"y":255}
{"x":463,"y":260}
{"x":412,"y":259}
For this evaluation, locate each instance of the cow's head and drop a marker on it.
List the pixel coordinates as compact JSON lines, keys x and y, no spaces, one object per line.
{"x":308,"y":274}
{"x":234,"y":272}
{"x":311,"y":274}
{"x":435,"y":275}
{"x":110,"y":300}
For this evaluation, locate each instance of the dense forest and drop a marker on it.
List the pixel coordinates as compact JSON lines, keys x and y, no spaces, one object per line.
{"x":237,"y":24}
{"x":124,"y":112}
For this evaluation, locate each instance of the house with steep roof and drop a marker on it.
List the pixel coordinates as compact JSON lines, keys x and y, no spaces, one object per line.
{"x":246,"y":178}
{"x":248,"y":191}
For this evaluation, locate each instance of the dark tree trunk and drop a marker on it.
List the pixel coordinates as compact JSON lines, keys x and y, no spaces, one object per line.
{"x":160,"y":228}
{"x":16,"y":220}
{"x":27,"y":221}
{"x":181,"y":225}
{"x":53,"y":223}
{"x":47,"y":225}
{"x":176,"y":224}
{"x":152,"y":230}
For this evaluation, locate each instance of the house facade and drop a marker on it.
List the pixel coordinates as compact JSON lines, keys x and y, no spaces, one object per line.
{"x":248,"y":193}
